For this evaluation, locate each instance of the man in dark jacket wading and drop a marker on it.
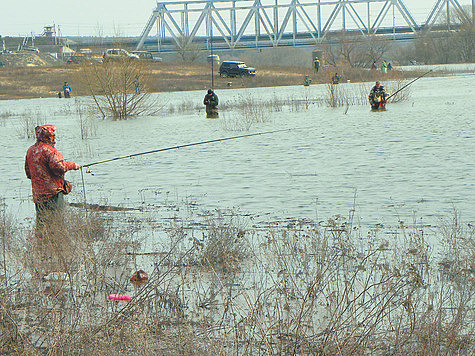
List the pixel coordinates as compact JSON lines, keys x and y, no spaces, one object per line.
{"x":211,"y":102}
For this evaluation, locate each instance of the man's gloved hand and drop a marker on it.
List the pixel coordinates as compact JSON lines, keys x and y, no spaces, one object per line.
{"x":70,"y":165}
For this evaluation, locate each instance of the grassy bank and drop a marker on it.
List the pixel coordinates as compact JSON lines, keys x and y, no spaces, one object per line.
{"x":36,"y":82}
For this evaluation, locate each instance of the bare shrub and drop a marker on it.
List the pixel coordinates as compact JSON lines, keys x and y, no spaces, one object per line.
{"x":334,"y":96}
{"x":5,"y":115}
{"x":337,"y":96}
{"x":224,"y":246}
{"x":322,"y":294}
{"x":183,"y":107}
{"x":217,"y":286}
{"x":30,"y":120}
{"x":118,"y":88}
{"x":355,"y":51}
{"x":401,"y":93}
{"x":84,"y":111}
{"x":250,"y":111}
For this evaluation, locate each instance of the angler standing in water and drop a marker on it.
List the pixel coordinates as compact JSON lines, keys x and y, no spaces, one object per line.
{"x":377,"y":97}
{"x":45,"y":166}
{"x":211,"y":102}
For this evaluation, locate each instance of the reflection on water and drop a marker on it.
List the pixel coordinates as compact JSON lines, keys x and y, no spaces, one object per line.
{"x":416,"y":159}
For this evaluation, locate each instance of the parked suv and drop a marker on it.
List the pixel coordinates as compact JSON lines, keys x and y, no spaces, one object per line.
{"x":235,"y":69}
{"x":119,"y":53}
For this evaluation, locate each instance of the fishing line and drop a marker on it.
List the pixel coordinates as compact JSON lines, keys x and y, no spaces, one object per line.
{"x":83,"y":190}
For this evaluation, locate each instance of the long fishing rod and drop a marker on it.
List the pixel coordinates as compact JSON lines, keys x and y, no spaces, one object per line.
{"x":189,"y":145}
{"x":212,"y":57}
{"x":405,"y":86}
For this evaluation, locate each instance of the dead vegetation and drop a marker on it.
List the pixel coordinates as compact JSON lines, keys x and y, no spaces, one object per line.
{"x":34,"y":82}
{"x":338,"y":95}
{"x":118,"y":88}
{"x":222,"y":287}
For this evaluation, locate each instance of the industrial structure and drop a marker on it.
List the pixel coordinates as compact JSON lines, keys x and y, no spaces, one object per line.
{"x":239,"y":24}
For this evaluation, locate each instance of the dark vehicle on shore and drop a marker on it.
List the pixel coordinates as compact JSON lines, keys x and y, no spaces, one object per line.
{"x":236,"y":69}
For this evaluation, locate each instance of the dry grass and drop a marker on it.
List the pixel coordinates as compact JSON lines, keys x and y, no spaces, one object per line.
{"x":338,"y":95}
{"x":249,"y":110}
{"x":33,"y":82}
{"x":221,"y":287}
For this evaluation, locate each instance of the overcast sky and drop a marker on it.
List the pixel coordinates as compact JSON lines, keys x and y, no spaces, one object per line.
{"x":114,"y":17}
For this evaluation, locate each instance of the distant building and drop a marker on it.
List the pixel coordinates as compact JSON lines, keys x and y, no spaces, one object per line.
{"x":48,"y":43}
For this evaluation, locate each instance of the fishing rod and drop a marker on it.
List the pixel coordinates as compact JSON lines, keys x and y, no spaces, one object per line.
{"x":212,"y":58}
{"x":405,"y":86}
{"x":189,"y":145}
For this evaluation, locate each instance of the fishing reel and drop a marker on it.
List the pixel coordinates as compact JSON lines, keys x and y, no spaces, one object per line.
{"x":88,"y":170}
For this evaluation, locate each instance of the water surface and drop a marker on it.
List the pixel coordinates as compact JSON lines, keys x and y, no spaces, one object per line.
{"x":414,"y":160}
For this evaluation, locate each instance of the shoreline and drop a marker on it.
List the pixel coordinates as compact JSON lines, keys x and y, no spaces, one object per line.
{"x":46,"y":82}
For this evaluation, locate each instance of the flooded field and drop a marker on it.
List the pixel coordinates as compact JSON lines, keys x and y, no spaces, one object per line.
{"x":350,"y":232}
{"x":415,"y":160}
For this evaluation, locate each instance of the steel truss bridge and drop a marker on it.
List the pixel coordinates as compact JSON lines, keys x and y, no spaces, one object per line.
{"x":237,"y":24}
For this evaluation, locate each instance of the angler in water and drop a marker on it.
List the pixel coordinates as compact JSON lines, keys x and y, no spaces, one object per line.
{"x":45,"y":167}
{"x":211,"y":102}
{"x":377,"y":97}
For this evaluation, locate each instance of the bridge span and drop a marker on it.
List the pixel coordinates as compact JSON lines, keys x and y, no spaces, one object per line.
{"x":239,"y":24}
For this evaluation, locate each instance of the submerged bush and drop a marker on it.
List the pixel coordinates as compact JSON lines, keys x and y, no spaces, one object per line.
{"x":119,"y":89}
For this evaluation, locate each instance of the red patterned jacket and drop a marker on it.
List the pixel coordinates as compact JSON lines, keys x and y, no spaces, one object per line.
{"x":45,"y":165}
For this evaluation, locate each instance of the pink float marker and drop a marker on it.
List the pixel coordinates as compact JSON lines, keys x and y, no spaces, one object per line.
{"x":119,"y":297}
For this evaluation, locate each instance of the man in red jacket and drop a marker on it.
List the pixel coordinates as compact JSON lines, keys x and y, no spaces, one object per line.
{"x":45,"y":166}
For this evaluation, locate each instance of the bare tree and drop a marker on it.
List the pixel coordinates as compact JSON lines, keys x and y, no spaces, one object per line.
{"x":454,"y":46}
{"x":347,"y":48}
{"x":188,"y":50}
{"x":373,"y":50}
{"x":356,"y":51}
{"x":465,"y":39}
{"x":331,"y":55}
{"x":445,"y":47}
